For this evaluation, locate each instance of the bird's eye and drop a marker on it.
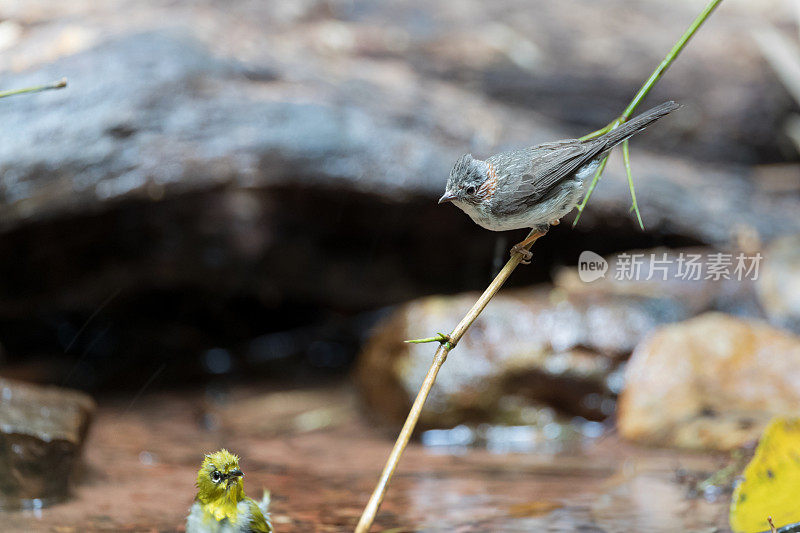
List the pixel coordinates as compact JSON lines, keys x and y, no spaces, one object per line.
{"x":216,"y":476}
{"x":470,"y":190}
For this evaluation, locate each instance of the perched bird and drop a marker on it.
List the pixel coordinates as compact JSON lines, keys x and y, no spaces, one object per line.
{"x":221,"y":505}
{"x":534,"y":187}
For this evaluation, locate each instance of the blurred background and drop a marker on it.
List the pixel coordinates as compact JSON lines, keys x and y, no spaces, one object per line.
{"x":224,"y":228}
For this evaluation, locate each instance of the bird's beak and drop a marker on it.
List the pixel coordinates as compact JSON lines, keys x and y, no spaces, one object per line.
{"x":236,"y":473}
{"x":447,"y":197}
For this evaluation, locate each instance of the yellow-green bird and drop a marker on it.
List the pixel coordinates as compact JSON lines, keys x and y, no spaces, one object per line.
{"x":221,"y":505}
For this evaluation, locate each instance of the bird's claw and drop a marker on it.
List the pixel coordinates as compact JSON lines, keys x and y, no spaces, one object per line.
{"x":527,"y":255}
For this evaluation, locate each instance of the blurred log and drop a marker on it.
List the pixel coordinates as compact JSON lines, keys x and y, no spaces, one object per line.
{"x":293,"y":159}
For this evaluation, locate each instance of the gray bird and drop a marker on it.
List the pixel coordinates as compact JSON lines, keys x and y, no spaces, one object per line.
{"x":534,"y":187}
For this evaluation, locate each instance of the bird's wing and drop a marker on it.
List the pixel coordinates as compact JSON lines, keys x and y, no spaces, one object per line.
{"x":259,"y":518}
{"x":547,"y":165}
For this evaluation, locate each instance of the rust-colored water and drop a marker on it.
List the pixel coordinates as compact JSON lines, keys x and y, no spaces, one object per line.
{"x":141,"y":463}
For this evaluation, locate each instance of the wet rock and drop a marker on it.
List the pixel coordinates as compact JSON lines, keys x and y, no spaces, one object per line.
{"x":779,"y":283}
{"x":711,"y":382}
{"x":42,"y":430}
{"x":529,"y":349}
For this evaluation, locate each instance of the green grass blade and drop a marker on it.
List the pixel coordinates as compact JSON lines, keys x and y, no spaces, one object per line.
{"x":626,"y":157}
{"x":671,"y":56}
{"x":60,"y":84}
{"x":640,"y":95}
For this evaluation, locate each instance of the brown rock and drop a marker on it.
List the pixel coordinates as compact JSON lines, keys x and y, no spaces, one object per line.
{"x":530,"y":348}
{"x":712,"y":382}
{"x":42,"y":430}
{"x":779,"y":283}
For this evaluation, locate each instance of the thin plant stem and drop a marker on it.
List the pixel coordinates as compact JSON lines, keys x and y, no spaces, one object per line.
{"x":669,"y":59}
{"x":602,"y":131}
{"x":449,"y":342}
{"x":368,"y":516}
{"x":643,"y":92}
{"x":626,"y":158}
{"x":60,"y":84}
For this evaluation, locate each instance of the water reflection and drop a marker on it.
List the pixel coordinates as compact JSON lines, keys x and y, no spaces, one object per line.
{"x":548,"y":437}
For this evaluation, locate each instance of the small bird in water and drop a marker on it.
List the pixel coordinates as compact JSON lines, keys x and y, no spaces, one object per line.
{"x":221,"y":505}
{"x":534,"y":187}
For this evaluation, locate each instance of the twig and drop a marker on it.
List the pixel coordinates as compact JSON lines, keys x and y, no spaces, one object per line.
{"x":60,"y":84}
{"x":368,"y":516}
{"x":441,"y":338}
{"x":448,"y":342}
{"x":644,"y":91}
{"x":771,"y":525}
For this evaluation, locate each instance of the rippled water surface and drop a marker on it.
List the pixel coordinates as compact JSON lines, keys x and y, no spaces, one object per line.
{"x":141,"y":462}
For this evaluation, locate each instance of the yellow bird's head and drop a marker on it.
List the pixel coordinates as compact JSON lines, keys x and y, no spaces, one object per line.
{"x":219,"y":481}
{"x":220,"y":504}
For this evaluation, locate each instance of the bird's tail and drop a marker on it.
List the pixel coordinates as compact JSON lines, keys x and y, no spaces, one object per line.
{"x":264,"y":503}
{"x":636,"y":124}
{"x":264,"y":506}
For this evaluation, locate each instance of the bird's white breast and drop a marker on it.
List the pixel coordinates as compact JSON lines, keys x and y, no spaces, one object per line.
{"x":482,"y":218}
{"x":528,"y":218}
{"x":564,"y":199}
{"x":200,"y":522}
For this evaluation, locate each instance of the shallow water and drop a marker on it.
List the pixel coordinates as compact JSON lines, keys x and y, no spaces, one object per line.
{"x":141,"y":463}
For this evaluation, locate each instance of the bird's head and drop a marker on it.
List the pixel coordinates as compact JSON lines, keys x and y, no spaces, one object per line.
{"x":219,"y":479}
{"x":469,"y":181}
